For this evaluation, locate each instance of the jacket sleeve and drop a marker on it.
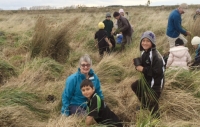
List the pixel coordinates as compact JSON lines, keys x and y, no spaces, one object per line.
{"x":98,"y":87}
{"x":156,"y":69}
{"x":169,"y":60}
{"x":125,"y":25}
{"x":188,"y":57}
{"x":178,"y":27}
{"x":67,"y":95}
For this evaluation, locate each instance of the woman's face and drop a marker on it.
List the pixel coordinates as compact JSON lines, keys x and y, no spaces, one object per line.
{"x":85,"y":67}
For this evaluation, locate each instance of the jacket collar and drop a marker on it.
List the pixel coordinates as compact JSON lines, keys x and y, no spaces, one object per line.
{"x":91,"y":73}
{"x":177,"y":48}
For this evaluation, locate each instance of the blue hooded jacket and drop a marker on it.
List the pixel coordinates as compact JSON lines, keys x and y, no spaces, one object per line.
{"x":72,"y":94}
{"x":174,"y":27}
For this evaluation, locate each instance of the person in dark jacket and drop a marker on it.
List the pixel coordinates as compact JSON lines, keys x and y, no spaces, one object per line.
{"x":102,"y":40}
{"x":174,"y":28}
{"x":151,"y":65}
{"x":109,"y":28}
{"x":124,"y":27}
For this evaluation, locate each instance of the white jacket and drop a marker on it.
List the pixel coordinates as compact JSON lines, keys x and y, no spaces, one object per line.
{"x":178,"y":57}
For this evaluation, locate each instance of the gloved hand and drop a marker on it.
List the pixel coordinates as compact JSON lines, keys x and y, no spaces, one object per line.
{"x":137,"y":61}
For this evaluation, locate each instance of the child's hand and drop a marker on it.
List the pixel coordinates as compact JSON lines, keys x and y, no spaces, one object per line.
{"x":139,"y":68}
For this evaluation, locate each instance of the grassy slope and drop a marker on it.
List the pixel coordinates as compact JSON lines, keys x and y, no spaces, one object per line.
{"x":24,"y":98}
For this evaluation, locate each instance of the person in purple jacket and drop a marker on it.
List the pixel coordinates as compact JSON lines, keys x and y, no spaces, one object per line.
{"x":174,"y":28}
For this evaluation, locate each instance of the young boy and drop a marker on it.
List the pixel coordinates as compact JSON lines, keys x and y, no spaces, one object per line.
{"x":109,"y":28}
{"x":97,"y":109}
{"x":151,"y":64}
{"x":102,"y":41}
{"x":196,"y":43}
{"x":179,"y":55}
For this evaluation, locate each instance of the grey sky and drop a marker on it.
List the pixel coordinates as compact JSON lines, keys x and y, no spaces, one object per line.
{"x":16,"y":4}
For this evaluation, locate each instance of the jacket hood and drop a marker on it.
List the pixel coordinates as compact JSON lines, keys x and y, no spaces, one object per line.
{"x":178,"y":51}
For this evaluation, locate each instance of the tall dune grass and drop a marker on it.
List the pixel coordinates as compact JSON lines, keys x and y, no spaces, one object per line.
{"x":48,"y":42}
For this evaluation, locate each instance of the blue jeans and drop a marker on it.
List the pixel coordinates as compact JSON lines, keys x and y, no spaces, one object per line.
{"x":74,"y":109}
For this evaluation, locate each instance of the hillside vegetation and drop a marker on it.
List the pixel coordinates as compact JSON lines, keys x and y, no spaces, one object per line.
{"x":40,"y":49}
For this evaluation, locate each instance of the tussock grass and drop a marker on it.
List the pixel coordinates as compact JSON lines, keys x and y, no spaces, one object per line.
{"x":6,"y":71}
{"x":71,"y":121}
{"x":73,"y":59}
{"x":49,"y":42}
{"x":17,"y":97}
{"x":177,"y":108}
{"x":144,"y":119}
{"x":189,"y":84}
{"x":2,"y":38}
{"x":18,"y":116}
{"x":110,"y":70}
{"x":40,"y":71}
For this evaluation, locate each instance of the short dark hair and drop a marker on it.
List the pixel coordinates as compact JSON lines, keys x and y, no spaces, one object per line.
{"x":115,"y":14}
{"x":87,"y":82}
{"x":179,"y":42}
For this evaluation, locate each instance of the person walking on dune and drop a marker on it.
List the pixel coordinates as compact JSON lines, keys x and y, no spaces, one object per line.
{"x":174,"y":28}
{"x":109,"y":28}
{"x":124,"y":27}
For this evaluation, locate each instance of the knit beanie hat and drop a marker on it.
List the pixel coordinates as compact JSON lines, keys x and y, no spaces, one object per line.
{"x":101,"y":25}
{"x":121,"y":10}
{"x":179,"y":42}
{"x":151,"y":36}
{"x":115,"y":14}
{"x":195,"y":40}
{"x":108,"y":14}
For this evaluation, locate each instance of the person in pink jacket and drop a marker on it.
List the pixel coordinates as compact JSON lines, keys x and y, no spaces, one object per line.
{"x":179,"y":55}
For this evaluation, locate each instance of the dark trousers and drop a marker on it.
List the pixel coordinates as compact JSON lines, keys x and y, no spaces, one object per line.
{"x":126,"y":39}
{"x":74,"y":109}
{"x":102,"y":50}
{"x":196,"y":63}
{"x":146,"y":98}
{"x":112,"y":40}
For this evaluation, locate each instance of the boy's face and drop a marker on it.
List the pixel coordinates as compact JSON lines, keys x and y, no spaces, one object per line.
{"x":87,"y":91}
{"x":195,"y":46}
{"x":117,"y":17}
{"x":146,"y":44}
{"x":108,"y":18}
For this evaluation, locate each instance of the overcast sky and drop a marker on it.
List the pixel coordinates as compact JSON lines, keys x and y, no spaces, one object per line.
{"x":16,"y":4}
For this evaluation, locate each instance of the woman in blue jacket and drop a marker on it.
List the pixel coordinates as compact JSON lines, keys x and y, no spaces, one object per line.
{"x":73,"y":102}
